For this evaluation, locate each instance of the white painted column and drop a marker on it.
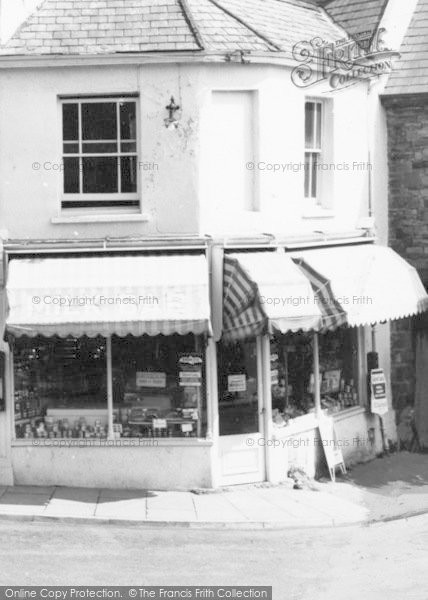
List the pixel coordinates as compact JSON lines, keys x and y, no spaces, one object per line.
{"x":317,"y":379}
{"x":213,"y":432}
{"x":267,"y":406}
{"x":109,"y":387}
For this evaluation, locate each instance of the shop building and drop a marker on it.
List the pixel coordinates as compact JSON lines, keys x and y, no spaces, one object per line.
{"x":186,"y":292}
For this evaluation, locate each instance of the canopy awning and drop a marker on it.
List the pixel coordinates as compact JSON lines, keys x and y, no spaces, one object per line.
{"x":264,"y":292}
{"x":108,"y":295}
{"x":371,"y":283}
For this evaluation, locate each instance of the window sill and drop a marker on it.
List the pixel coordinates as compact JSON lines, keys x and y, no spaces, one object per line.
{"x":113,"y":218}
{"x":66,"y":443}
{"x":318,"y":213}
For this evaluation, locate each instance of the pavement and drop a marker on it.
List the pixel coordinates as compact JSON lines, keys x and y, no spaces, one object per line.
{"x":384,"y":489}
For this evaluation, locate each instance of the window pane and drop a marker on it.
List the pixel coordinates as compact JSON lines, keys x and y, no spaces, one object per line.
{"x":128,"y":147}
{"x":308,"y":173}
{"x":128,"y":166}
{"x":60,"y":387}
{"x":238,"y":399}
{"x":71,"y":175}
{"x":100,"y":175}
{"x":99,"y":148}
{"x":71,"y":148}
{"x":318,"y":126}
{"x":309,"y":124}
{"x":127,"y":121}
{"x":70,"y":122}
{"x":158,"y":386}
{"x":99,"y":121}
{"x":314,"y":182}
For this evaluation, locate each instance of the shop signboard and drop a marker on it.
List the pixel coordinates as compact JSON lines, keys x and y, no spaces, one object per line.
{"x":151,"y":379}
{"x":379,"y":398}
{"x":190,"y":369}
{"x":332,"y":450}
{"x":237,"y":383}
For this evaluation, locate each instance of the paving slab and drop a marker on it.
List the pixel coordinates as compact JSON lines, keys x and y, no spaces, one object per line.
{"x":172,"y":516}
{"x":21,"y":504}
{"x":217,"y":508}
{"x":130,"y":508}
{"x":170,"y":501}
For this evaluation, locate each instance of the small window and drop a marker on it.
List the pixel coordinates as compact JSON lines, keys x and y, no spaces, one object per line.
{"x":99,"y":152}
{"x":313,"y":149}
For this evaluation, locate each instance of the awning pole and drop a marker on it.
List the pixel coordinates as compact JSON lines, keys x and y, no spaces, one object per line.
{"x":373,"y":338}
{"x":109,"y":387}
{"x":317,"y":381}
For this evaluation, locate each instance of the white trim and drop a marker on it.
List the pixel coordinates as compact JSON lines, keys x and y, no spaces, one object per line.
{"x":73,"y":443}
{"x":100,"y":218}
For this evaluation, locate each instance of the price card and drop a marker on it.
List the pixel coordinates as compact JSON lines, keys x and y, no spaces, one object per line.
{"x":159,"y":423}
{"x":186,"y":427}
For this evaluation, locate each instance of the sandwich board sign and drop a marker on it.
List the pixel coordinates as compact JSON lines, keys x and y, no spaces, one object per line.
{"x":379,"y":399}
{"x":332,"y":450}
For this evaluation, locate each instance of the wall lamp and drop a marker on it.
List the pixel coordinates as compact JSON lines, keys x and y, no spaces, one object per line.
{"x":171,"y":122}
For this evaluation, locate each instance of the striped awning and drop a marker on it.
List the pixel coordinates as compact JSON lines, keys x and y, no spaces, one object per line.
{"x":370,"y":283}
{"x":266,"y":292}
{"x":108,"y":295}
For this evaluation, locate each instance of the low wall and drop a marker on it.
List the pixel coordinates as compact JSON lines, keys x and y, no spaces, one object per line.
{"x":167,"y":466}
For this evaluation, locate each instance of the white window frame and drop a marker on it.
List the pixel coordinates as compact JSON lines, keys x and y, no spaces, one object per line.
{"x":310,"y":152}
{"x":98,"y":197}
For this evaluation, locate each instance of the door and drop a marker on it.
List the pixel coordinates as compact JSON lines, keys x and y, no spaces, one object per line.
{"x":241,"y":443}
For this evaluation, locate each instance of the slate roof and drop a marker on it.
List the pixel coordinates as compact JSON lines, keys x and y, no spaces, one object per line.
{"x":357,"y":16}
{"x":410,"y":73}
{"x":114,"y":26}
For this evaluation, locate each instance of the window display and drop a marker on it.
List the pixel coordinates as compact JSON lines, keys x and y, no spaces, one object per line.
{"x":292,"y":376}
{"x":158,"y":386}
{"x":61,"y":387}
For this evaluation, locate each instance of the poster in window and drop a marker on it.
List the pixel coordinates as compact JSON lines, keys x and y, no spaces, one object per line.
{"x":150,"y":379}
{"x":274,"y":367}
{"x":190,"y":369}
{"x":237,"y":383}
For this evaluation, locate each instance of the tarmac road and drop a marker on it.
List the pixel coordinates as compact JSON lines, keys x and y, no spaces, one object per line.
{"x":384,"y":561}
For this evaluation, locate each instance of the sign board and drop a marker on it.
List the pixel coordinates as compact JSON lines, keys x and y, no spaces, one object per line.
{"x":2,"y":381}
{"x":190,"y":370}
{"x":332,"y":450}
{"x":237,"y":383}
{"x":379,"y":399}
{"x":159,"y":424}
{"x":151,"y":379}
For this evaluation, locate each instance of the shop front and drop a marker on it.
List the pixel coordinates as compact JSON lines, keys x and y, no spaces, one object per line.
{"x":306,"y":320}
{"x":108,"y":364}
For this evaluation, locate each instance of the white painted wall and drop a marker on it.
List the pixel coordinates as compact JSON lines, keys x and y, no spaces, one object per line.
{"x":177,"y":192}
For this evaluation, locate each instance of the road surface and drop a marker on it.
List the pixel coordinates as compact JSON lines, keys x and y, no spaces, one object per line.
{"x":384,"y":561}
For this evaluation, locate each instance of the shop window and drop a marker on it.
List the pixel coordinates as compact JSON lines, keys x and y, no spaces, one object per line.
{"x":238,"y":393}
{"x":60,"y":387}
{"x":99,"y":152}
{"x":292,"y":373}
{"x":158,"y":386}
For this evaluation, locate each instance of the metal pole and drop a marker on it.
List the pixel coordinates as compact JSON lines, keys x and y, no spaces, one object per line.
{"x":373,"y":338}
{"x":317,"y":380}
{"x":109,"y":387}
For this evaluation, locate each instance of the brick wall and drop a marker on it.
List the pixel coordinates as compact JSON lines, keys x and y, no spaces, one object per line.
{"x":407,"y":121}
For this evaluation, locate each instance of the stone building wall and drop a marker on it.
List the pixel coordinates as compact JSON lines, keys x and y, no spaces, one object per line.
{"x":407,"y":122}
